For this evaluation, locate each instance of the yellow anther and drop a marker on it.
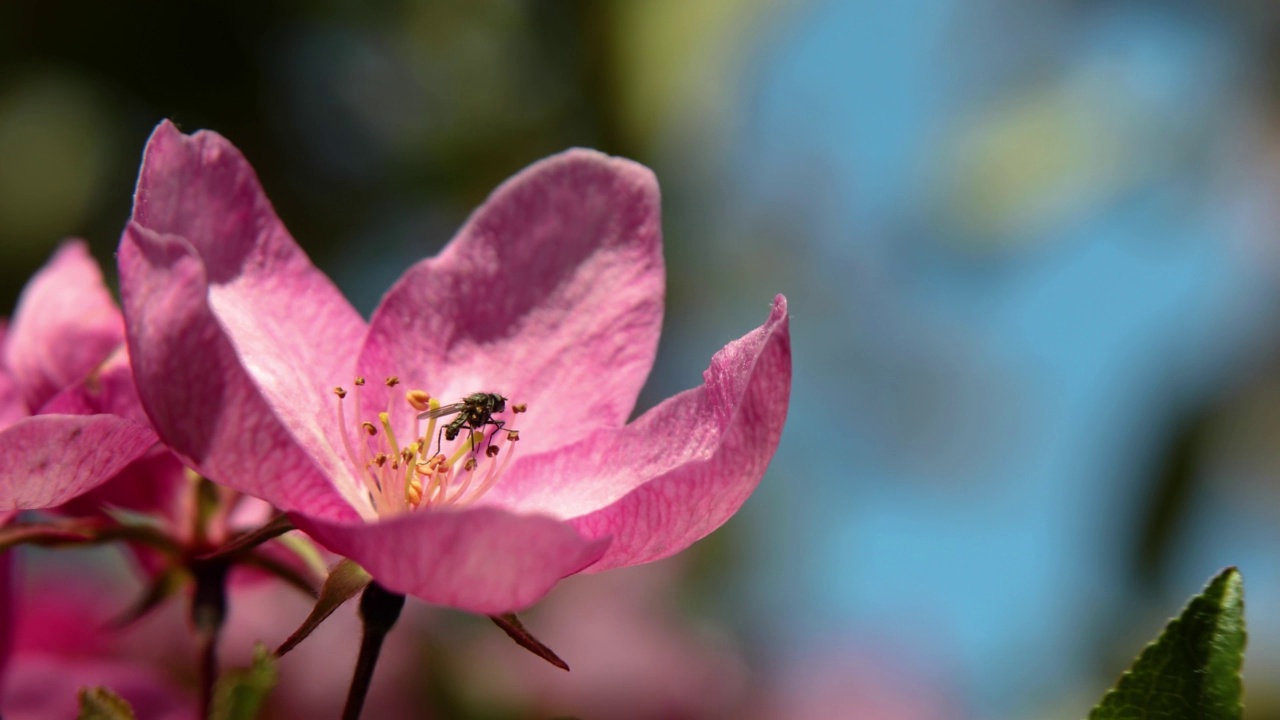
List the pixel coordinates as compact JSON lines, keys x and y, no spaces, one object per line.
{"x":470,"y":465}
{"x":419,"y":399}
{"x":513,"y":435}
{"x":392,"y":381}
{"x":339,"y":392}
{"x":359,"y":380}
{"x":519,"y":408}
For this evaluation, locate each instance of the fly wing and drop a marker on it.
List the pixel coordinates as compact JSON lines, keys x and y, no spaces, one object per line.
{"x":450,"y":409}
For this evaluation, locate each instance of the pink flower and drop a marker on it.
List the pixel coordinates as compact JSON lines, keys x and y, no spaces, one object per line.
{"x":551,"y":296}
{"x":55,"y":633}
{"x":69,"y":418}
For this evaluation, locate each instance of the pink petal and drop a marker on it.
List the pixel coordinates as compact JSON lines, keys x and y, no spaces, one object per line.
{"x":155,"y":484}
{"x":65,"y":324}
{"x":551,"y":294}
{"x":256,"y":341}
{"x":482,"y":560}
{"x":12,"y":406}
{"x":680,"y":470}
{"x":48,"y":459}
{"x":108,"y":388}
{"x":202,"y":399}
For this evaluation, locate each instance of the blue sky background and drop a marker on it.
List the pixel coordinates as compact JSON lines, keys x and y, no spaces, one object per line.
{"x":982,"y":390}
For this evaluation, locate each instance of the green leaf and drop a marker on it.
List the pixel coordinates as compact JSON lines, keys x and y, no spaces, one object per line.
{"x":1192,"y":671}
{"x":346,"y":579}
{"x":99,"y":703}
{"x":240,"y":692}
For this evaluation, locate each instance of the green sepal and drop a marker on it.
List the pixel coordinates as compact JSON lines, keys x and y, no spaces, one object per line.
{"x":345,"y":580}
{"x":99,"y":703}
{"x":515,"y":630}
{"x":245,"y":542}
{"x":240,"y":692}
{"x":1192,"y":671}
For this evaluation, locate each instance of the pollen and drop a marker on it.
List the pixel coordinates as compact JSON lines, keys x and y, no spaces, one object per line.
{"x":419,"y":400}
{"x":473,"y":447}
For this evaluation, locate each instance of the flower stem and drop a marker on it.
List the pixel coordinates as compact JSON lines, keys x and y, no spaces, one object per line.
{"x":208,"y":611}
{"x":379,"y":610}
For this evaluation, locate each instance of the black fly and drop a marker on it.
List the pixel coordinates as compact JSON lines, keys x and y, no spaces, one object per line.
{"x":474,"y":412}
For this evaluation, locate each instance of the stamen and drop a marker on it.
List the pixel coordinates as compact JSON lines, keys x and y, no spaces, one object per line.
{"x":391,"y":434}
{"x":439,"y":478}
{"x":469,"y":471}
{"x":365,"y":455}
{"x":495,"y":472}
{"x":432,"y":404}
{"x":413,"y":492}
{"x":410,"y":456}
{"x":406,"y":478}
{"x":463,"y":449}
{"x":346,"y":440}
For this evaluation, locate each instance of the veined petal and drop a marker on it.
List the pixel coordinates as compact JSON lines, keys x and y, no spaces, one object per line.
{"x":196,"y":386}
{"x":65,"y":324}
{"x":281,"y":335}
{"x":108,"y":388}
{"x":552,"y":294}
{"x":482,"y":560}
{"x":680,"y":470}
{"x":289,"y":323}
{"x":47,"y":460}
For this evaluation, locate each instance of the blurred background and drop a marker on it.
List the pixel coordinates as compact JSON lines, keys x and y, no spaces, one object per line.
{"x":1031,"y":255}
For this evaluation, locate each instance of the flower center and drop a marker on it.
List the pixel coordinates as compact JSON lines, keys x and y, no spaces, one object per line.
{"x":472,"y":449}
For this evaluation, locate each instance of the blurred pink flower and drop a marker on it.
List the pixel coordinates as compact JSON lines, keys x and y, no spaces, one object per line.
{"x":852,"y":678}
{"x":636,"y":656}
{"x":552,"y":295}
{"x":66,"y":339}
{"x":57,"y":645}
{"x":73,"y":436}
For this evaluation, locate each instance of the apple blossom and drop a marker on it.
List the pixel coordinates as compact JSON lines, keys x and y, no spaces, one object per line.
{"x":256,"y":370}
{"x":66,"y":336}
